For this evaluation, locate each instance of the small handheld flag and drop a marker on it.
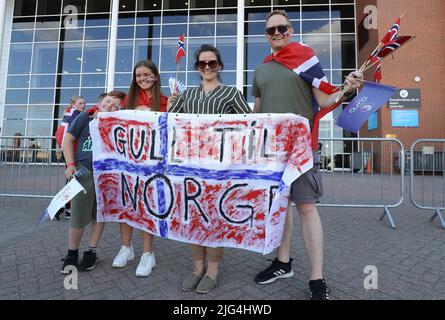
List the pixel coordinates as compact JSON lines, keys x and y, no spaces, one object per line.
{"x":181,"y":49}
{"x":370,"y":99}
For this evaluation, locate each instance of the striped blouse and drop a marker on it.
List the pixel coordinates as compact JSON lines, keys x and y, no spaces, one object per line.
{"x":222,"y":99}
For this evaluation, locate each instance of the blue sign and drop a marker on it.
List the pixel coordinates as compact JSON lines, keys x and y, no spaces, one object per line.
{"x":405,"y":118}
{"x":373,"y":121}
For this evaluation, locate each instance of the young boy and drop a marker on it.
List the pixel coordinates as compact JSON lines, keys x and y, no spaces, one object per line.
{"x":83,"y":206}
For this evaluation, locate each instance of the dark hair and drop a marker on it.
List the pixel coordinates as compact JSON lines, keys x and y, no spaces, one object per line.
{"x":102,"y":95}
{"x":279,"y":13}
{"x":133,"y":93}
{"x":115,"y":94}
{"x":74,"y":99}
{"x":208,"y":48}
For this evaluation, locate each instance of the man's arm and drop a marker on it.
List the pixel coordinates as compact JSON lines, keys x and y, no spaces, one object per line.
{"x":68,"y":153}
{"x":257,"y":105}
{"x":352,"y":82}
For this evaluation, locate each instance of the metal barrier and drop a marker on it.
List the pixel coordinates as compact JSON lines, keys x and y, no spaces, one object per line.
{"x":427,"y":188}
{"x":30,"y":167}
{"x":365,"y":176}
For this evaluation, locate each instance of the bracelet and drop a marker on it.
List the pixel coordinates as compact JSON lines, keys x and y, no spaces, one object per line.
{"x":70,"y":164}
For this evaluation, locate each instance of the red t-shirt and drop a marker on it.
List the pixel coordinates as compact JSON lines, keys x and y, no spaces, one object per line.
{"x":144,"y":100}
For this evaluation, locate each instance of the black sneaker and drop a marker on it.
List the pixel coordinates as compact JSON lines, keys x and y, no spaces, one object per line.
{"x":88,"y":261}
{"x":68,"y":261}
{"x":277,"y":270}
{"x":319,"y":289}
{"x":58,"y":213}
{"x":67,"y":213}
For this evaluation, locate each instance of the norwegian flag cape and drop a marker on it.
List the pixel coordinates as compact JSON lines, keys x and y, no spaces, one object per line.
{"x":301,"y":59}
{"x":69,"y":115}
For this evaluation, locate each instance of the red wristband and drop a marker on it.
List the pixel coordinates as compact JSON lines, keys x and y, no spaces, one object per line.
{"x":70,"y":164}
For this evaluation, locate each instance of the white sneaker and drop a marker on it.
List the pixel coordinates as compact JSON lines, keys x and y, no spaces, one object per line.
{"x":124,"y":256}
{"x":146,"y":264}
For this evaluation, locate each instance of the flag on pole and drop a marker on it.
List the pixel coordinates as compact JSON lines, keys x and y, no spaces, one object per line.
{"x":392,"y":33}
{"x":370,"y":99}
{"x":181,"y":49}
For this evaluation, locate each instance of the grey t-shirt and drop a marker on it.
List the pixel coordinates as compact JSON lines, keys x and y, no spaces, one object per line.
{"x":282,"y":91}
{"x":80,"y":129}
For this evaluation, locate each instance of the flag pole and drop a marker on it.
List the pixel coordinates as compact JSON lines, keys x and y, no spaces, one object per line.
{"x":177,"y":75}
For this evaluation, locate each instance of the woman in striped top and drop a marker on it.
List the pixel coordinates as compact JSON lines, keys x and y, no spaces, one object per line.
{"x":211,"y":97}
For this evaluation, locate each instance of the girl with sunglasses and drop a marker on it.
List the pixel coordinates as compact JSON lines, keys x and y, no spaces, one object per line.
{"x":211,"y":97}
{"x":144,"y":94}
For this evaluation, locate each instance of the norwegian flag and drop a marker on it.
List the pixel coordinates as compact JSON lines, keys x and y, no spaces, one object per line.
{"x":69,"y":115}
{"x":378,"y":73}
{"x":392,"y":46}
{"x":392,"y":33}
{"x":301,"y":59}
{"x":181,"y":49}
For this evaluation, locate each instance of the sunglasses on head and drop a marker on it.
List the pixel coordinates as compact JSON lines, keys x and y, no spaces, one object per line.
{"x":281,"y":29}
{"x":213,"y":64}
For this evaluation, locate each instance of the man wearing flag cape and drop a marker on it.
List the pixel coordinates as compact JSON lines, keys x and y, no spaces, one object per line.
{"x":291,"y":80}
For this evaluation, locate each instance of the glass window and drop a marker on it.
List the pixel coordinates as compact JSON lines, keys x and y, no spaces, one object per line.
{"x":202,"y":4}
{"x":23,"y":23}
{"x":12,"y":127}
{"x":97,"y":20}
{"x":173,"y":30}
{"x":47,"y":35}
{"x":343,"y":26}
{"x":257,"y":14}
{"x":342,"y":11}
{"x":175,"y":17}
{"x":122,"y":80}
{"x":257,"y":48}
{"x":148,"y":17}
{"x":228,"y":78}
{"x":226,"y":15}
{"x":343,"y":51}
{"x":40,"y":112}
{"x":71,"y":56}
{"x":148,"y":49}
{"x":193,"y":46}
{"x":79,"y":6}
{"x":38,"y":127}
{"x":18,"y":82}
{"x":320,"y":12}
{"x":20,"y":58}
{"x":294,"y":13}
{"x":40,"y":96}
{"x":44,"y":81}
{"x":201,"y":30}
{"x":250,"y":3}
{"x":91,"y":96}
{"x":16,"y":96}
{"x":227,"y":3}
{"x":22,"y":36}
{"x":65,"y":95}
{"x":124,"y":56}
{"x":226,"y":29}
{"x":291,"y":2}
{"x":96,"y":33}
{"x":93,"y":80}
{"x":148,"y":31}
{"x":94,"y":57}
{"x":99,"y":6}
{"x":72,"y":34}
{"x":25,"y":7}
{"x":125,"y":32}
{"x":227,"y":48}
{"x":175,"y":4}
{"x":320,"y":45}
{"x":126,"y":19}
{"x":254,"y":28}
{"x":48,"y":22}
{"x":316,"y":26}
{"x":15,"y":112}
{"x":149,"y":4}
{"x":70,"y":80}
{"x":44,"y":58}
{"x":49,"y":7}
{"x":127,"y":5}
{"x":73,"y":21}
{"x":202,"y":16}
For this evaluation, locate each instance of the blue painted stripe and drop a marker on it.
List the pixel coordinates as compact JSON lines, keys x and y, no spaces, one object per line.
{"x":163,"y":127}
{"x":178,"y":171}
{"x":163,"y":227}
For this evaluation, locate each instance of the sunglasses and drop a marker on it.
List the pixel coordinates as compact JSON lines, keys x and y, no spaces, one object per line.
{"x":213,"y":64}
{"x":281,"y":29}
